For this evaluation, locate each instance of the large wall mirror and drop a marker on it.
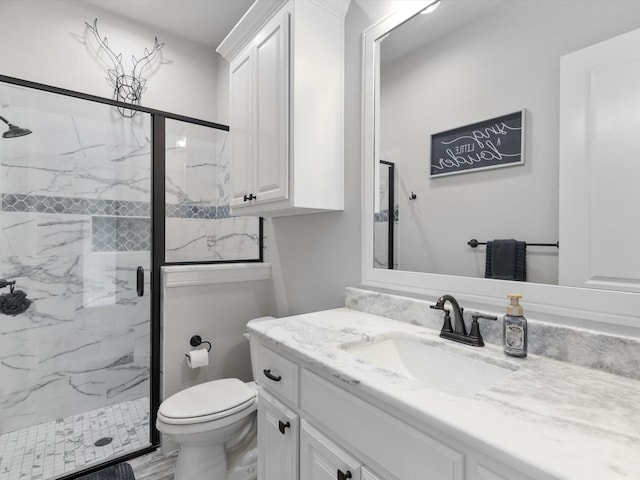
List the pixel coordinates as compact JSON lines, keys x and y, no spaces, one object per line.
{"x":459,"y":69}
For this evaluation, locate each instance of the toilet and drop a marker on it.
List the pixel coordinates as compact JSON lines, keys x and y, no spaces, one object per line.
{"x":202,"y":419}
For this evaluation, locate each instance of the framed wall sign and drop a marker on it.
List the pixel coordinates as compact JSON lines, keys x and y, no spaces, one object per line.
{"x":493,"y":143}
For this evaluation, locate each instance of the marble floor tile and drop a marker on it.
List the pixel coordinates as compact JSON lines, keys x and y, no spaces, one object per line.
{"x":58,"y":447}
{"x":154,"y":466}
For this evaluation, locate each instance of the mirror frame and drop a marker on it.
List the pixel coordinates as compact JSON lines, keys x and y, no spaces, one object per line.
{"x":613,"y":311}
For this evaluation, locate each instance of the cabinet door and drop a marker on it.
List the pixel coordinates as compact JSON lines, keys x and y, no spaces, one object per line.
{"x":482,"y":467}
{"x":321,"y":459}
{"x":278,"y":432}
{"x":398,"y":448}
{"x":369,"y":475}
{"x":272,"y":110}
{"x":241,"y":84}
{"x":485,"y":474}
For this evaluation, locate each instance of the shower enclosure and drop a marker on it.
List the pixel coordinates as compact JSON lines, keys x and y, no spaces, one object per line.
{"x":86,"y":195}
{"x":386,"y":220}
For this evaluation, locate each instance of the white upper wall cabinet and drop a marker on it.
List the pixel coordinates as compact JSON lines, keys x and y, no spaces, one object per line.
{"x":287,"y":107}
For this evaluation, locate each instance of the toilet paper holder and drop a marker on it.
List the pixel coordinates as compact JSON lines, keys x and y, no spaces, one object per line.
{"x":196,"y":341}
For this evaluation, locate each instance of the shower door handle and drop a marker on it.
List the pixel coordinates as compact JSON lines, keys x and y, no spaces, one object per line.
{"x":140,"y":281}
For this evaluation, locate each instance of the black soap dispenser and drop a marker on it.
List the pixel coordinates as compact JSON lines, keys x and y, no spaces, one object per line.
{"x":514,"y":333}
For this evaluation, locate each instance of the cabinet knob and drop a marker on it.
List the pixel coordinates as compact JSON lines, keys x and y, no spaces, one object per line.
{"x":344,"y":475}
{"x":251,"y":196}
{"x":271,"y":376}
{"x":282,"y":426}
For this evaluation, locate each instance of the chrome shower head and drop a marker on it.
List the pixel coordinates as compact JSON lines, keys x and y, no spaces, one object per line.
{"x":14,"y":130}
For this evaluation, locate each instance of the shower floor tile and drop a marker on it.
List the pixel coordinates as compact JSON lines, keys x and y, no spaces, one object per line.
{"x":61,"y":446}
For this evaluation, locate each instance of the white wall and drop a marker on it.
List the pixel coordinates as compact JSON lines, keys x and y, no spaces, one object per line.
{"x":472,"y":75}
{"x":46,"y":41}
{"x":222,"y":89}
{"x":218,"y":312}
{"x":319,"y":254}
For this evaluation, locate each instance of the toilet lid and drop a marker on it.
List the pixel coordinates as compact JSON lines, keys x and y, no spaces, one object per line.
{"x":207,"y":399}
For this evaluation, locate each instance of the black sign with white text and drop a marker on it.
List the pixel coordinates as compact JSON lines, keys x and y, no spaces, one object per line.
{"x":497,"y":142}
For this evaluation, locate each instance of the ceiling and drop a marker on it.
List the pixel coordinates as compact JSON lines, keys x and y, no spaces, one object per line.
{"x":424,"y":29}
{"x":203,"y":21}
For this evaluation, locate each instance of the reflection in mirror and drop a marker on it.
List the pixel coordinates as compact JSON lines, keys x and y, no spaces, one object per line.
{"x":465,"y":63}
{"x":386,"y":220}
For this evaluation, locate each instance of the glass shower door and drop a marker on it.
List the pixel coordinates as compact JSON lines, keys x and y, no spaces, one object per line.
{"x":75,"y":238}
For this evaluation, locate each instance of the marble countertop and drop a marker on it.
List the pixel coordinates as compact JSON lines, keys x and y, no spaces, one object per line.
{"x":548,"y":419}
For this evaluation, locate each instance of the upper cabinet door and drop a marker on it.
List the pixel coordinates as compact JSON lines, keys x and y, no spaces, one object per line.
{"x":272,"y":114}
{"x":599,"y":167}
{"x":241,"y":117}
{"x":296,"y":107}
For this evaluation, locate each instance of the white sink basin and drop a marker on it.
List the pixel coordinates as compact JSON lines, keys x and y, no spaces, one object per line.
{"x":431,"y":365}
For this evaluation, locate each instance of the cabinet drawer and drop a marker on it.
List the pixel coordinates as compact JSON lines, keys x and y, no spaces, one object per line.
{"x":414,"y":455}
{"x":275,"y":373}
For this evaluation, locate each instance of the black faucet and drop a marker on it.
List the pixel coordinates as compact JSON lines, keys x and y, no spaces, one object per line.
{"x":458,"y":321}
{"x":458,"y":332}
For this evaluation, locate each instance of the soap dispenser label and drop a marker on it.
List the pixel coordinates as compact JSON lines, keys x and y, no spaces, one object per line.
{"x":514,"y":337}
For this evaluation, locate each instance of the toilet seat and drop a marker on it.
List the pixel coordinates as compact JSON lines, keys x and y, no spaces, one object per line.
{"x":207,"y":402}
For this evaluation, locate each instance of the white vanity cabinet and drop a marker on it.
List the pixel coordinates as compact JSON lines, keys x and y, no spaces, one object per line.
{"x":286,"y":107}
{"x":278,"y":432}
{"x":369,"y":475}
{"x":278,"y":420}
{"x":314,"y":429}
{"x":322,"y":459}
{"x":376,"y":437}
{"x":483,"y":467}
{"x":485,"y":474}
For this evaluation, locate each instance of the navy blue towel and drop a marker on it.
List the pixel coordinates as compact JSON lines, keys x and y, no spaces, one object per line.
{"x":506,"y":260}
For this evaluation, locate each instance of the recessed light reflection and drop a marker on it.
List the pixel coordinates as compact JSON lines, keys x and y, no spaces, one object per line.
{"x":431,"y":8}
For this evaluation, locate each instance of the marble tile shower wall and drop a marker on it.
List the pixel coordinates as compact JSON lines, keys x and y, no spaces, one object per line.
{"x":75,"y":223}
{"x":199,"y":225}
{"x":84,"y":342}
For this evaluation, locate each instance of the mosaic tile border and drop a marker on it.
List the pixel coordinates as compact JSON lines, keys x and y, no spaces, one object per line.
{"x":13,"y":202}
{"x":72,"y":205}
{"x":189,"y":210}
{"x":383,"y":216}
{"x":116,"y":225}
{"x":120,"y":234}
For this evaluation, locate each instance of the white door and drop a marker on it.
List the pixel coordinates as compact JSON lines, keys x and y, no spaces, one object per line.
{"x":321,"y":459}
{"x":272,"y":110}
{"x":277,"y":440}
{"x":241,"y":129}
{"x":600,"y":165}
